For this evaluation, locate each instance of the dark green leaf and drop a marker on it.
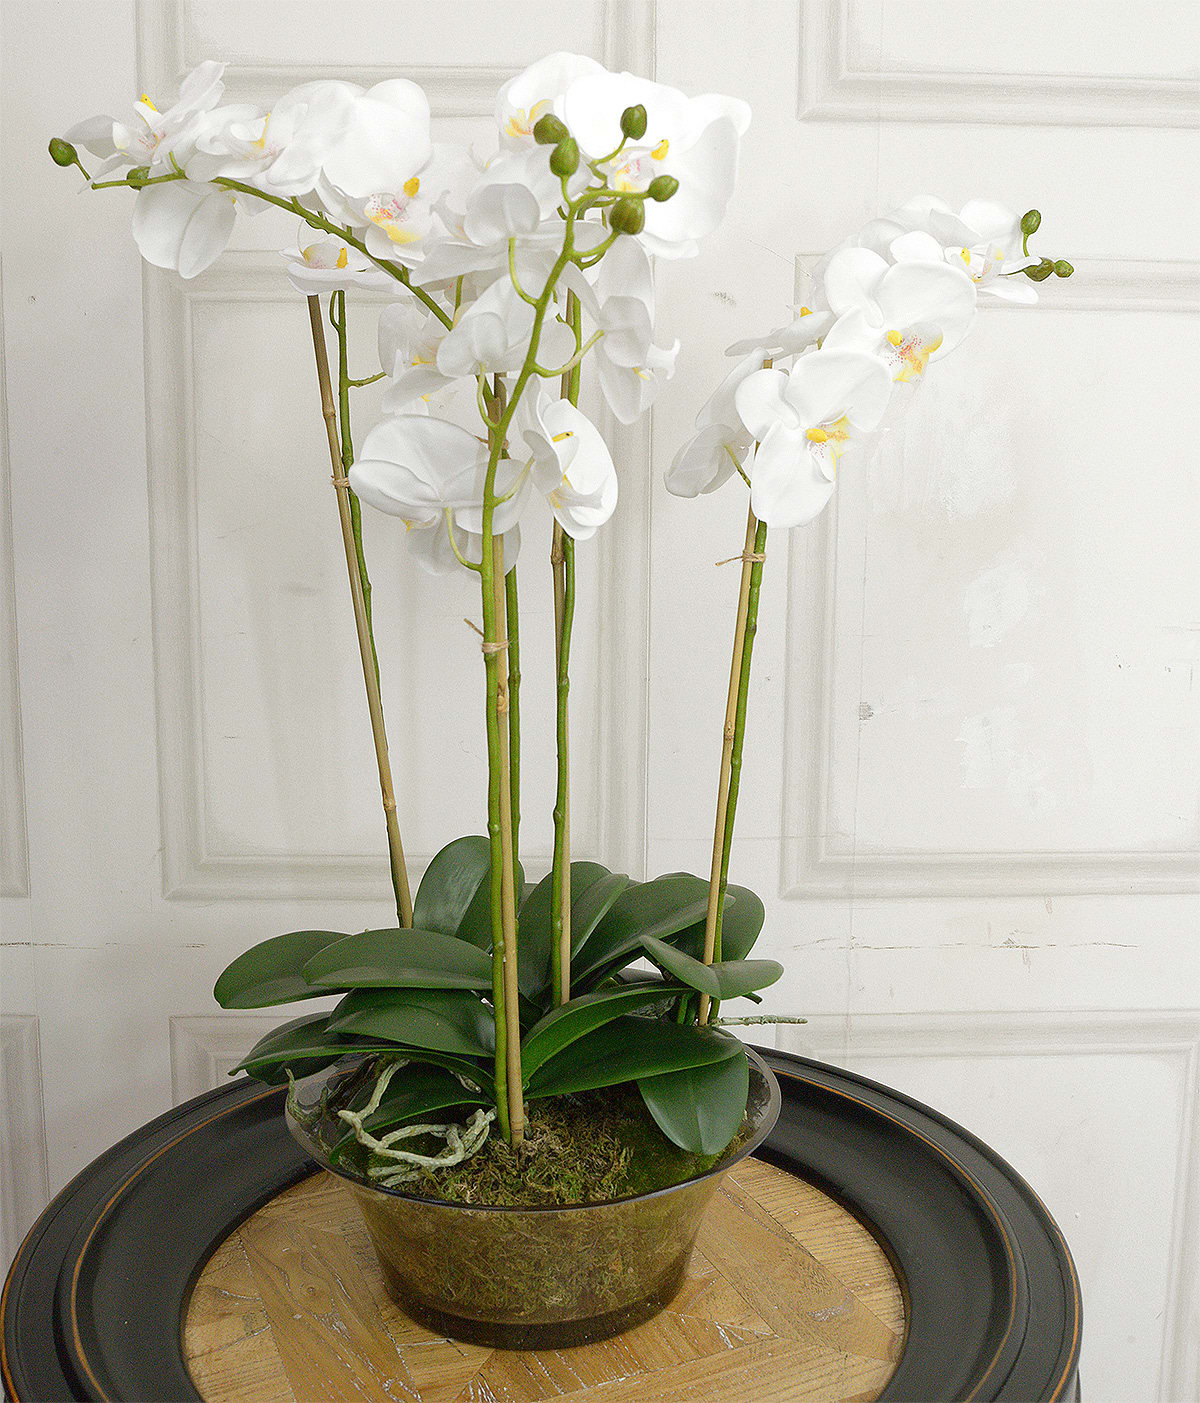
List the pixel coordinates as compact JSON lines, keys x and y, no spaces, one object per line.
{"x":270,"y":972}
{"x":741,"y":923}
{"x":583,"y":1015}
{"x":414,"y":1093}
{"x":444,"y":1020}
{"x":450,"y":885}
{"x":476,"y":925}
{"x":658,"y":908}
{"x":729,"y":979}
{"x":591,"y":906}
{"x":700,"y":1108}
{"x":400,"y":959}
{"x":628,"y":1049}
{"x":534,"y":943}
{"x":303,"y":1045}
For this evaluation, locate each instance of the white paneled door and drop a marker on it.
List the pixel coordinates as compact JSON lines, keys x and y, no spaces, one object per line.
{"x":970,"y":795}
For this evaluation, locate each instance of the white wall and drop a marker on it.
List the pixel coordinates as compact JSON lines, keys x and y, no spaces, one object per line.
{"x":969,"y":794}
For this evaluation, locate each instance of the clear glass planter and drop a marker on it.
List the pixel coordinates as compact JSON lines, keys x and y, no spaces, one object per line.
{"x":532,"y":1278}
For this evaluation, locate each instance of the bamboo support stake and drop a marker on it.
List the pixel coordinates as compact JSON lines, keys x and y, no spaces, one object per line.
{"x":508,"y":899}
{"x":365,"y":644}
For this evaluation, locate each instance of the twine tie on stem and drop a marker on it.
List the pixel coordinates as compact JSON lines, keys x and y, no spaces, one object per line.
{"x":485,"y":647}
{"x":749,"y":556}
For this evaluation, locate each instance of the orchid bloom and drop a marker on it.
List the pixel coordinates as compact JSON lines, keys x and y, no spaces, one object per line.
{"x":492,"y":335}
{"x":523,"y":100}
{"x":570,"y":463}
{"x":430,"y":473}
{"x":409,"y":338}
{"x":152,"y":137}
{"x":707,"y":460}
{"x":328,"y":265}
{"x":805,"y":422}
{"x":806,"y":329}
{"x":183,"y":225}
{"x":695,"y":140}
{"x":984,"y":239}
{"x":906,"y":313}
{"x":631,"y":368}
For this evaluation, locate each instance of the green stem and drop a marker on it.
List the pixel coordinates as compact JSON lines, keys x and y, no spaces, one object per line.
{"x":337,"y":314}
{"x":739,"y":733}
{"x":563,"y":564}
{"x":512,"y":625}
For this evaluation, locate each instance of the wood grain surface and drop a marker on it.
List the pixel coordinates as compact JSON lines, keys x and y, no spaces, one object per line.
{"x":788,"y":1298}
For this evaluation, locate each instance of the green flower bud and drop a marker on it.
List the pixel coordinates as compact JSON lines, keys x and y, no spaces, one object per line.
{"x":62,"y":153}
{"x":564,"y":159}
{"x":628,"y":217}
{"x":1030,"y":222}
{"x":138,"y":176}
{"x":548,"y":130}
{"x":633,"y":122}
{"x":1063,"y":269}
{"x":662,"y":187}
{"x":1041,"y":272}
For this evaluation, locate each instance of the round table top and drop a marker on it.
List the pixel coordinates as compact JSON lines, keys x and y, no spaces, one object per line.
{"x":788,"y":1297}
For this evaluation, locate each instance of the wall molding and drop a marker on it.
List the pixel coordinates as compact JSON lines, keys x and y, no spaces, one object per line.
{"x":840,"y":82}
{"x":14,"y":843}
{"x":205,"y":1049}
{"x":817,"y":861}
{"x":24,"y":1178}
{"x":1174,"y":1034}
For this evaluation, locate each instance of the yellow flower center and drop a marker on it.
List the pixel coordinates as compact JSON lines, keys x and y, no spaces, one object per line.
{"x":411,"y":186}
{"x":660,"y":151}
{"x":146,"y":100}
{"x":523,"y":121}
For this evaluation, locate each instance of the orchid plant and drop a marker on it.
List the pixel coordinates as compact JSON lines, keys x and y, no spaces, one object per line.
{"x":511,"y":273}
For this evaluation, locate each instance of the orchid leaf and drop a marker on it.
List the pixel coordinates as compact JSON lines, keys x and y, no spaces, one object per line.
{"x":270,"y":972}
{"x":451,"y":883}
{"x":443,"y":1020}
{"x":400,"y":959}
{"x":659,"y":908}
{"x":628,"y":1049}
{"x":700,"y":1108}
{"x":580,"y":1016}
{"x":728,"y":979}
{"x":535,"y":943}
{"x":302,"y":1046}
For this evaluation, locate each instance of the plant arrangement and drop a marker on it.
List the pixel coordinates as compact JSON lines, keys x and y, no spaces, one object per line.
{"x":496,"y":1014}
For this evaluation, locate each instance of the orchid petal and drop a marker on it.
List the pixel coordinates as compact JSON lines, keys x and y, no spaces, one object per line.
{"x":787,"y":487}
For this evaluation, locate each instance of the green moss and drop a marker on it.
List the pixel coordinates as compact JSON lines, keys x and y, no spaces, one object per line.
{"x":585,"y":1148}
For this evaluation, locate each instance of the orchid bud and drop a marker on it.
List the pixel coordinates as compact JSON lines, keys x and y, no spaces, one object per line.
{"x":628,"y":217}
{"x":633,"y":122}
{"x":564,"y":159}
{"x":662,"y":187}
{"x":548,"y":130}
{"x":1063,"y":269}
{"x":62,"y":153}
{"x":1030,"y":222}
{"x":1041,"y":272}
{"x":138,"y":176}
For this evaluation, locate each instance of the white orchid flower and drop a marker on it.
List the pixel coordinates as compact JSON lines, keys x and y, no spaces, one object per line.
{"x":523,"y":100}
{"x":152,"y":137}
{"x":430,"y":473}
{"x":183,"y":225}
{"x":630,"y":366}
{"x":722,"y":441}
{"x":492,"y":335}
{"x":409,"y":338}
{"x":984,"y":239}
{"x":570,"y":463}
{"x":328,"y":265}
{"x":807,"y":328}
{"x":806,"y":421}
{"x":695,"y":140}
{"x":906,"y":313}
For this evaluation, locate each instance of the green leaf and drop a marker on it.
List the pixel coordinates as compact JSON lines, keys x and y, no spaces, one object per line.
{"x":400,"y":959}
{"x":658,"y":908}
{"x":476,"y":925}
{"x":444,"y":1020}
{"x":741,"y":923}
{"x":729,"y":979}
{"x":578,"y":1017}
{"x":534,"y":943}
{"x":304,"y":1045}
{"x":450,"y":885}
{"x":270,"y":972}
{"x":700,"y":1108}
{"x":414,"y":1093}
{"x":591,"y":906}
{"x":628,"y":1049}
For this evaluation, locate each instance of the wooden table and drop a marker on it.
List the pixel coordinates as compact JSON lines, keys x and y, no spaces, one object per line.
{"x":789,"y":1297}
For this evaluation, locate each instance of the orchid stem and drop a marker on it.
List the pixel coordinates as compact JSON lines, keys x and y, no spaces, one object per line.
{"x":562,"y":562}
{"x":356,"y":570}
{"x":512,"y":627}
